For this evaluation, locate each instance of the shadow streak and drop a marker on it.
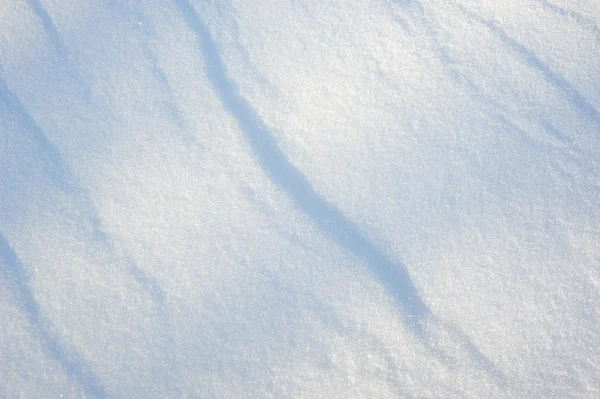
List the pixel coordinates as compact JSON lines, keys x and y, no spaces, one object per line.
{"x":59,"y":172}
{"x":147,"y":32}
{"x":48,"y":25}
{"x":70,"y":71}
{"x":415,"y":314}
{"x":72,"y":362}
{"x":327,"y":217}
{"x":578,"y":18}
{"x":569,"y":91}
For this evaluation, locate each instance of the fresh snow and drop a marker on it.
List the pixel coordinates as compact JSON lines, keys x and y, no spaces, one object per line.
{"x":346,"y":198}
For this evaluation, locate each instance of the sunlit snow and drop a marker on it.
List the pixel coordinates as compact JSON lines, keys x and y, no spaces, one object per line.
{"x":345,"y":198}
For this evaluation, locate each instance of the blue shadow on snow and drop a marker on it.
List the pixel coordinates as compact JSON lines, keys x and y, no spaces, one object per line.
{"x":327,"y":217}
{"x":570,"y":93}
{"x":59,"y":171}
{"x":18,"y":277}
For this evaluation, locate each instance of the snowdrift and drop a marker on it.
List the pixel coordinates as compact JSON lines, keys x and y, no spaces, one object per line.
{"x":368,"y":198}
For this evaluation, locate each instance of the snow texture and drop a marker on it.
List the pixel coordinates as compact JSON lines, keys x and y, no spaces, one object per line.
{"x":366,"y":198}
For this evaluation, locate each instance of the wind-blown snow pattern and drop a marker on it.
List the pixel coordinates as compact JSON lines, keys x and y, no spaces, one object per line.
{"x":365,"y":199}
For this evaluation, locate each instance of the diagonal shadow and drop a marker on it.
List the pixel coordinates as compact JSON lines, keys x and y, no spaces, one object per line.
{"x":572,"y":95}
{"x":69,"y":68}
{"x":416,"y":315}
{"x":61,"y":175}
{"x":148,"y":33}
{"x":71,"y":361}
{"x":57,"y":170}
{"x":328,"y":218}
{"x":48,"y":25}
{"x":578,"y":18}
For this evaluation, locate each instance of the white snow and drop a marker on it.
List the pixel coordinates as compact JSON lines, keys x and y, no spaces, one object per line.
{"x":345,"y":198}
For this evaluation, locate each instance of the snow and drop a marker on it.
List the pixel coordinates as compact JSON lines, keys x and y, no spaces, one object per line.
{"x":369,"y":198}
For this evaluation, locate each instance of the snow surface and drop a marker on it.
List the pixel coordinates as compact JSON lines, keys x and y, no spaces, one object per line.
{"x":344,"y":198}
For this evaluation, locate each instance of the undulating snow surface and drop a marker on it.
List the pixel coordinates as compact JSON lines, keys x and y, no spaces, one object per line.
{"x":345,"y":198}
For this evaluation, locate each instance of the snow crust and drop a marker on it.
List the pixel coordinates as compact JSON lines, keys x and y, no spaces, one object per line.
{"x":345,"y":198}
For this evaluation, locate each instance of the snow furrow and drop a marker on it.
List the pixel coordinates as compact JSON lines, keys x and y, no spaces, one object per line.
{"x":18,"y":276}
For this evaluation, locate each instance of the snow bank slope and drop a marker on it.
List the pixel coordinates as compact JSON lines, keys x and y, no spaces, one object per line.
{"x":319,"y":199}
